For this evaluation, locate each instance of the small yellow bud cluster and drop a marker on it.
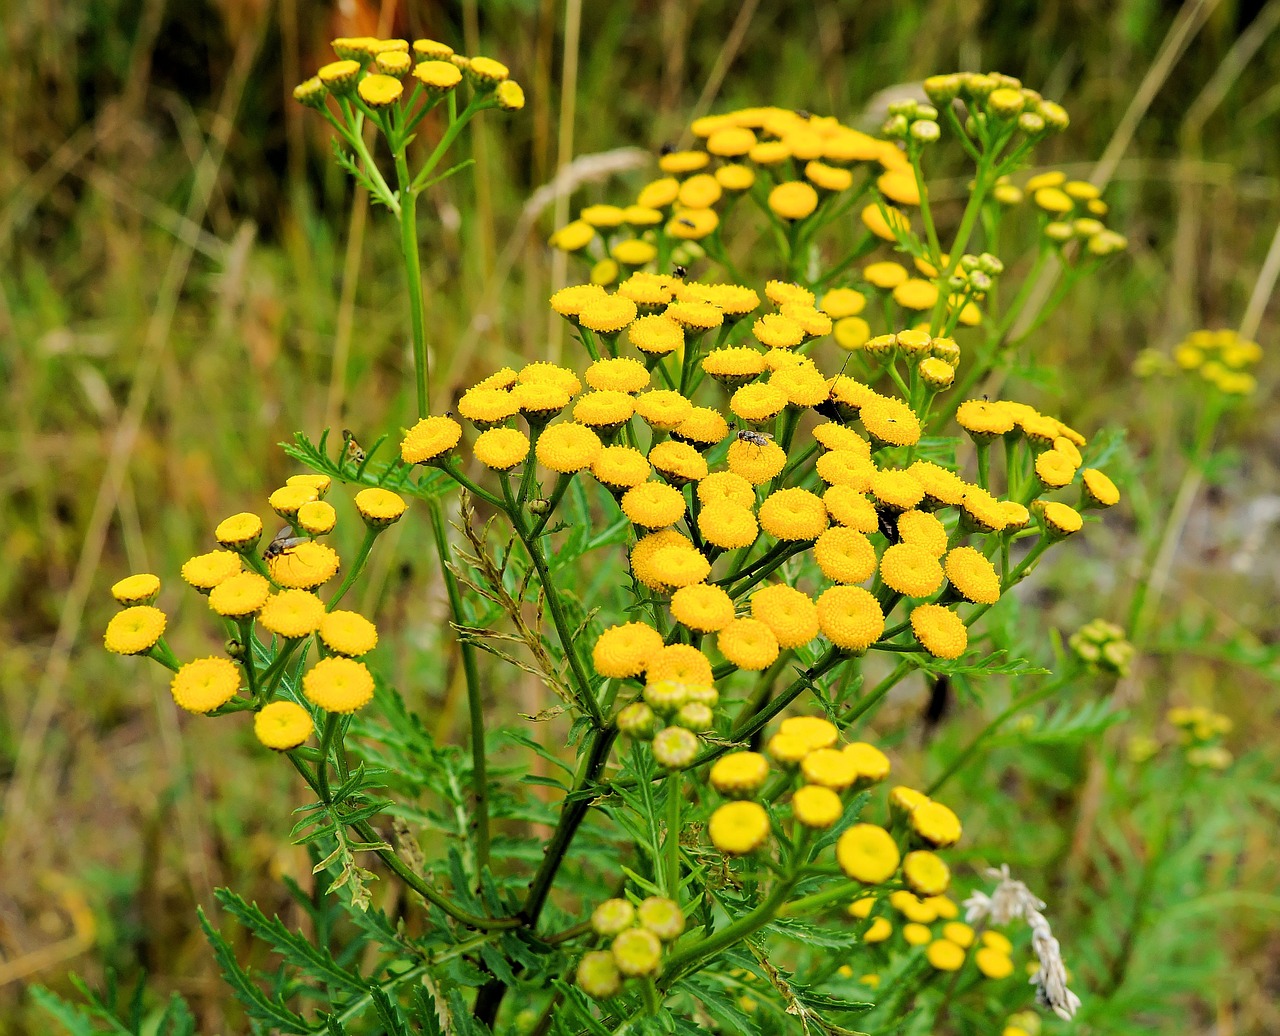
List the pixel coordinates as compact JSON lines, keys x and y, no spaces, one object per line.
{"x":1102,"y":645}
{"x":1200,"y":731}
{"x":638,"y":934}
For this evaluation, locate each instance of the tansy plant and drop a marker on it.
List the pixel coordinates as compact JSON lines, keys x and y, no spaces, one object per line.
{"x":720,"y":539}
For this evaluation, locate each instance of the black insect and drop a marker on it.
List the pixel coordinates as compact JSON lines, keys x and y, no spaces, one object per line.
{"x":684,"y":221}
{"x":680,"y":272}
{"x":283,"y":542}
{"x":938,"y":705}
{"x":754,"y":437}
{"x":803,"y":114}
{"x":888,"y":522}
{"x":667,"y":149}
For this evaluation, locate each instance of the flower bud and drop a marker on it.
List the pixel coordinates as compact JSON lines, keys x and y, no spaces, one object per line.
{"x":942,"y":89}
{"x":674,"y":747}
{"x":613,"y":916}
{"x":1031,"y":124}
{"x":637,"y":720}
{"x":598,"y":974}
{"x":662,"y":917}
{"x":926,"y":131}
{"x":637,"y":951}
{"x":312,"y":93}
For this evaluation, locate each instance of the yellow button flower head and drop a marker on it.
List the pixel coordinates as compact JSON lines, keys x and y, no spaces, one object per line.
{"x":852,"y":333}
{"x":678,"y":462}
{"x":924,"y":530}
{"x":702,"y":607}
{"x":703,"y":428}
{"x":659,"y":193}
{"x":739,"y":774}
{"x":205,"y":684}
{"x":680,"y":663}
{"x":633,"y":252}
{"x":134,"y":631}
{"x":568,"y":447}
{"x":935,"y":373}
{"x":437,"y":76}
{"x":885,"y":274}
{"x":1054,"y":469}
{"x":731,"y":142}
{"x":486,"y":73}
{"x":845,"y":555}
{"x":656,"y":334}
{"x":973,"y":576}
{"x":890,"y":422}
{"x":910,"y":570}
{"x":205,"y":571}
{"x":982,"y":510}
{"x":984,"y":420}
{"x":925,"y":873}
{"x":727,"y":525}
{"x":379,"y":91}
{"x":1099,"y":491}
{"x":282,"y":725}
{"x":680,"y":162}
{"x":604,"y":411}
{"x":430,"y":438}
{"x":240,"y":532}
{"x":936,"y":824}
{"x":1053,"y":200}
{"x":240,"y":596}
{"x":879,"y":931}
{"x":790,"y":614}
{"x":733,"y":365}
{"x":674,"y":747}
{"x":896,"y":490}
{"x":304,"y":567}
{"x":802,"y":385}
{"x":997,"y":941}
{"x":815,"y":323}
{"x":624,"y":651}
{"x":735,"y":177}
{"x":735,"y":300}
{"x":287,"y":500}
{"x":317,"y":517}
{"x":676,"y":566}
{"x":653,"y":505}
{"x":694,"y":315}
{"x":501,"y":448}
{"x":379,"y":508}
{"x":781,"y":293}
{"x":739,"y":828}
{"x":292,"y":614}
{"x":793,"y":514}
{"x":570,"y":301}
{"x":835,"y":436}
{"x":814,"y":732}
{"x":311,"y":92}
{"x":608,"y":315}
{"x":431,"y":50}
{"x":839,"y":303}
{"x":339,"y":76}
{"x":827,"y":177}
{"x":756,"y":462}
{"x":912,"y":907}
{"x":748,"y":644}
{"x":940,"y":631}
{"x":788,"y":749}
{"x":699,"y":192}
{"x":726,"y":487}
{"x":692,"y":224}
{"x":647,"y":546}
{"x":778,"y":331}
{"x":899,"y":185}
{"x":916,"y":934}
{"x":1059,"y":519}
{"x":868,"y":854}
{"x":850,"y":617}
{"x":597,"y":975}
{"x":143,"y":588}
{"x":850,"y":508}
{"x":613,"y":916}
{"x":959,"y":933}
{"x":542,"y":373}
{"x":945,"y":955}
{"x":871,"y":763}
{"x":664,"y":409}
{"x":618,"y":467}
{"x":348,"y":633}
{"x":884,"y":221}
{"x":793,"y":200}
{"x":622,"y":374}
{"x":503,"y":378}
{"x":662,"y":917}
{"x":994,"y":964}
{"x":338,"y":684}
{"x":394,"y":63}
{"x":830,"y":768}
{"x":758,"y":404}
{"x":916,"y":294}
{"x":486,"y":407}
{"x":816,"y":807}
{"x":642,"y":216}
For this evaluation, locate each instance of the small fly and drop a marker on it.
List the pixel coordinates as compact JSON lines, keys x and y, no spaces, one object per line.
{"x":755,"y":438}
{"x":283,"y":542}
{"x":680,"y":272}
{"x":352,"y":451}
{"x":888,"y":522}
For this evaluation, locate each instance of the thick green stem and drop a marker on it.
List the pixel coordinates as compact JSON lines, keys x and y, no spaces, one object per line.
{"x":413,"y":276}
{"x":675,"y":799}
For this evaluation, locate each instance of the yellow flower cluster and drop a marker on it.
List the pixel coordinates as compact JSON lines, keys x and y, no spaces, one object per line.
{"x":268,"y":599}
{"x":1200,"y":731}
{"x":638,"y":933}
{"x":1221,"y":358}
{"x":1102,"y":645}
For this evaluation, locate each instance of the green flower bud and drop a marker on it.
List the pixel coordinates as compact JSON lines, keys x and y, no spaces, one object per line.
{"x":598,"y":975}
{"x":663,"y":917}
{"x":613,"y":916}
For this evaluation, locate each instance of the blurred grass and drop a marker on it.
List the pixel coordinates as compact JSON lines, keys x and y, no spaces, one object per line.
{"x":108,"y":106}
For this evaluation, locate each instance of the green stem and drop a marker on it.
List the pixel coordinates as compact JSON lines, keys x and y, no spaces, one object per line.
{"x":562,"y":483}
{"x":873,"y":697}
{"x":675,"y":794}
{"x":357,"y":566}
{"x":834,"y":894}
{"x":413,"y":276}
{"x":331,"y":722}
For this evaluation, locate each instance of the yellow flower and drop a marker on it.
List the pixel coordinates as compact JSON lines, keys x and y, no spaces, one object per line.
{"x":292,"y":614}
{"x":924,"y":530}
{"x":436,"y":74}
{"x":916,"y":294}
{"x":134,"y":631}
{"x":1054,"y":469}
{"x":940,"y":631}
{"x":694,"y":315}
{"x":788,"y":749}
{"x":699,"y":192}
{"x":311,"y":92}
{"x":816,"y":807}
{"x":430,"y":438}
{"x":731,"y":142}
{"x":338,"y":684}
{"x":916,"y":934}
{"x":879,"y":931}
{"x":1053,"y":200}
{"x":739,"y":828}
{"x":205,"y":571}
{"x":780,"y":293}
{"x":890,"y":422}
{"x":704,"y":427}
{"x":317,"y":517}
{"x":240,"y":596}
{"x":850,"y":617}
{"x":486,"y":72}
{"x":680,"y":663}
{"x":503,"y":378}
{"x":935,"y":373}
{"x":288,"y":499}
{"x":624,"y":651}
{"x":632,"y":252}
{"x":778,"y":331}
{"x":568,"y":447}
{"x":542,"y":373}
{"x":925,"y":874}
{"x":884,"y":223}
{"x":793,"y":200}
{"x":653,"y":505}
{"x":793,"y":514}
{"x":735,"y":177}
{"x":845,"y":555}
{"x":734,"y":365}
{"x":642,"y":216}
{"x":910,"y":570}
{"x":659,"y":193}
{"x":621,"y":374}
{"x":604,"y":411}
{"x":828,"y":178}
{"x":885,"y":274}
{"x":605,"y":216}
{"x":973,"y":576}
{"x":143,"y":588}
{"x":830,"y":768}
{"x":240,"y":532}
{"x":501,"y":448}
{"x":814,"y":732}
{"x":734,"y":299}
{"x":570,"y":301}
{"x":339,"y":76}
{"x":727,"y":525}
{"x":379,"y":508}
{"x":726,"y":487}
{"x":997,"y":941}
{"x":899,"y":185}
{"x":692,"y":224}
{"x":769,"y":152}
{"x":835,"y":436}
{"x":749,"y":644}
{"x":348,"y":633}
{"x":1059,"y":519}
{"x":758,"y":404}
{"x":607,"y":315}
{"x":678,"y":462}
{"x":378,"y":91}
{"x":871,"y":764}
{"x":755,"y":462}
{"x":674,"y":748}
{"x":282,"y":725}
{"x":896,"y":490}
{"x":618,"y":467}
{"x":839,"y":303}
{"x":304,"y":567}
{"x":1099,"y":491}
{"x":868,"y":854}
{"x":664,"y":409}
{"x":510,"y":96}
{"x":205,"y":684}
{"x":486,"y":407}
{"x":937,"y":825}
{"x":680,"y":162}
{"x":739,"y":774}
{"x":790,"y":614}
{"x":959,"y":933}
{"x":993,"y":963}
{"x":662,"y":917}
{"x":945,"y":955}
{"x":848,"y":507}
{"x":984,"y":420}
{"x":802,"y":384}
{"x":702,"y":607}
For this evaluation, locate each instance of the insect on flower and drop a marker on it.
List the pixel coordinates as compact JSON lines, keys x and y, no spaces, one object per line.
{"x":283,"y":542}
